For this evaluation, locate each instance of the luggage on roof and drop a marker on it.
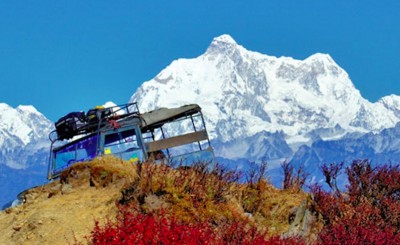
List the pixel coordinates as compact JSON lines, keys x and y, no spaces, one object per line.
{"x":94,"y":115}
{"x":78,"y":123}
{"x":68,"y":126}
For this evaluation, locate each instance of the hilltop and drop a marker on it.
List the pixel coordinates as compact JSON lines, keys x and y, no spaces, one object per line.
{"x":65,"y":210}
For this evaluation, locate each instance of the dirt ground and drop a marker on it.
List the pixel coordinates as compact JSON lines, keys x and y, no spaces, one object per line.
{"x":61,"y":212}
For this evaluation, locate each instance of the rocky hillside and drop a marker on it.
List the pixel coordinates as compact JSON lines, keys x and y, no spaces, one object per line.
{"x":64,"y":211}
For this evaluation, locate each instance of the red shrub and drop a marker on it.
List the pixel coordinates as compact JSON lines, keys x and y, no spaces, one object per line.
{"x":148,"y":229}
{"x":370,"y":211}
{"x":137,"y":228}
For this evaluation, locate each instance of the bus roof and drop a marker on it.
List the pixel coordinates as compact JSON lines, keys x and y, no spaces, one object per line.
{"x":158,"y":117}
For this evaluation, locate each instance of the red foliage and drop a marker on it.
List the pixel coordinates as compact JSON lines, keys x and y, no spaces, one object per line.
{"x":370,"y":211}
{"x":136,"y":228}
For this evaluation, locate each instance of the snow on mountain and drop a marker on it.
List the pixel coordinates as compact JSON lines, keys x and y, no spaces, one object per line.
{"x":380,"y":148}
{"x":23,"y":132}
{"x":392,"y":103}
{"x":262,"y":145}
{"x":243,"y":93}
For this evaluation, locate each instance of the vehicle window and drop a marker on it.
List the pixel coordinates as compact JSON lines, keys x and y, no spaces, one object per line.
{"x":82,"y":150}
{"x":120,"y":142}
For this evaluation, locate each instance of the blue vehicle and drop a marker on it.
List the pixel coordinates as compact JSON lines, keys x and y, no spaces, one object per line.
{"x":169,"y":135}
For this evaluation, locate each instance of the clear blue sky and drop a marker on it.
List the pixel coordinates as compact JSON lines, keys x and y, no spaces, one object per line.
{"x":67,"y":55}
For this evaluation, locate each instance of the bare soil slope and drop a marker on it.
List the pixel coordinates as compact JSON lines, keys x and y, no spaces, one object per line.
{"x":63,"y":212}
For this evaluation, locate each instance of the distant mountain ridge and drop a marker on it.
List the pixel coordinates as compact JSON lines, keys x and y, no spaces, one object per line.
{"x":243,"y":93}
{"x":23,"y":132}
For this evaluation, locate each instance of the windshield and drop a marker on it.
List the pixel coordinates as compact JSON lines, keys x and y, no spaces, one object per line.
{"x":80,"y":151}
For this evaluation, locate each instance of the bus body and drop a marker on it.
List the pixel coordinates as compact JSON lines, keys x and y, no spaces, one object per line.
{"x":172,"y":135}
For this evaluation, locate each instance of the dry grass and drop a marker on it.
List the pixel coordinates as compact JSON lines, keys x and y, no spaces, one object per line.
{"x":89,"y":191}
{"x":197,"y":194}
{"x":109,"y":169}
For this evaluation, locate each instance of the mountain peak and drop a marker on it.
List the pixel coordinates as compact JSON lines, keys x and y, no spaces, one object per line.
{"x":28,"y":108}
{"x":4,"y":106}
{"x":224,"y":38}
{"x":321,"y":57}
{"x":24,"y":128}
{"x":222,"y":44}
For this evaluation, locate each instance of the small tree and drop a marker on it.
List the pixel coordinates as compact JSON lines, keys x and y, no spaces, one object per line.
{"x":331,"y":172}
{"x":293,"y":179}
{"x":257,"y":172}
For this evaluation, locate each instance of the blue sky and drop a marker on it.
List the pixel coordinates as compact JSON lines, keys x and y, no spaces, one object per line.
{"x":62,"y":56}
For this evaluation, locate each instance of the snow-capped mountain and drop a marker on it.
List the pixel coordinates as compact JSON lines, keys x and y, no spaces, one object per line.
{"x":243,"y":93}
{"x":23,"y":132}
{"x":262,"y":145}
{"x":380,"y":148}
{"x":24,"y":150}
